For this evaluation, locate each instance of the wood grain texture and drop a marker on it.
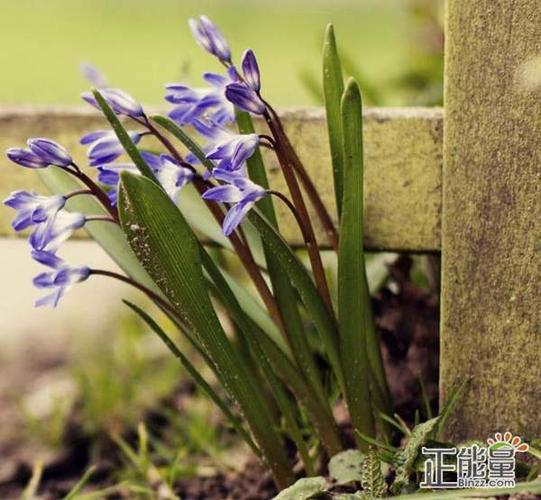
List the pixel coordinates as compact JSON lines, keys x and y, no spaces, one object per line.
{"x":491,"y":301}
{"x":403,"y":149}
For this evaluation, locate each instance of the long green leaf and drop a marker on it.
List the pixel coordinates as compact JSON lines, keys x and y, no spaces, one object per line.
{"x":273,"y":241}
{"x":123,"y":136}
{"x":320,"y":415}
{"x":195,"y":149}
{"x":286,"y":297}
{"x":333,"y":87}
{"x":183,"y":137}
{"x":194,"y":373}
{"x":301,"y":280}
{"x":352,"y":304}
{"x":248,"y":330}
{"x":109,"y":236}
{"x":166,"y":246}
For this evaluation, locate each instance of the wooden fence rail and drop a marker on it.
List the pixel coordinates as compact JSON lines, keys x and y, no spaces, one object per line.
{"x":403,"y":166}
{"x":489,"y":160}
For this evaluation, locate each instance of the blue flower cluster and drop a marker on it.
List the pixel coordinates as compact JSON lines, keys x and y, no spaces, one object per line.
{"x":210,"y":111}
{"x":51,"y":223}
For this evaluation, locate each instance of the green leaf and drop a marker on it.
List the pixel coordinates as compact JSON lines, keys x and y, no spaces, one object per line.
{"x":405,"y":459}
{"x":301,"y":280}
{"x":109,"y":236}
{"x":353,"y":305}
{"x":81,"y":483}
{"x":449,"y":406}
{"x":256,"y":312}
{"x":197,"y":214}
{"x":123,"y":136}
{"x":194,"y":373}
{"x":346,"y":466}
{"x":248,"y":330}
{"x":166,"y":246}
{"x":333,"y":87}
{"x":320,"y":414}
{"x":372,"y":477}
{"x":183,"y":137}
{"x":304,"y":489}
{"x":205,"y":225}
{"x":533,"y":487}
{"x":284,"y":292}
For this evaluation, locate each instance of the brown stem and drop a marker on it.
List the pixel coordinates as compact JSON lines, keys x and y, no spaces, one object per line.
{"x":300,"y":206}
{"x":96,"y":191}
{"x":311,"y":191}
{"x":102,"y":218}
{"x":77,"y":193}
{"x":154,"y":296}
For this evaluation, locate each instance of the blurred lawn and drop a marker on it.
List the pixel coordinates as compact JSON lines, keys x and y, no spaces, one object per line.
{"x":142,"y":44}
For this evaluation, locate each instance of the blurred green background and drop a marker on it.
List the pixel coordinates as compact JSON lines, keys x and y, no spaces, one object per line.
{"x":142,"y":44}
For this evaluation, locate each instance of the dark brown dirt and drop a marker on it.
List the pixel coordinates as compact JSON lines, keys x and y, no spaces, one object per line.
{"x":407,"y":316}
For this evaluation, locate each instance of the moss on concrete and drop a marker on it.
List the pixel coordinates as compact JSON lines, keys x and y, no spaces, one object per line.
{"x":491,"y":243}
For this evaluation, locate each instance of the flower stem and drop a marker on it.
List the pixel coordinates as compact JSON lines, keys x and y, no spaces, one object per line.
{"x":103,"y":218}
{"x":152,"y":295}
{"x":284,"y":158}
{"x":311,"y":191}
{"x":77,"y":193}
{"x":95,"y":190}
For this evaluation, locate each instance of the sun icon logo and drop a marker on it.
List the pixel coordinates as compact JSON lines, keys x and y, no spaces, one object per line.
{"x":507,"y":440}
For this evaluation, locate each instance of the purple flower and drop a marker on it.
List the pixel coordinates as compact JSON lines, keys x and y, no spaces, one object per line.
{"x":240,"y":191}
{"x":25,"y":158}
{"x":51,"y":233}
{"x":208,"y":36}
{"x":32,"y":208}
{"x":121,"y":102}
{"x":245,"y":98}
{"x":50,"y":152}
{"x":172,"y":176}
{"x":209,"y":102}
{"x":105,"y":146}
{"x":110,"y":175}
{"x":60,"y":280}
{"x":250,"y":70}
{"x":232,"y":150}
{"x":93,"y":75}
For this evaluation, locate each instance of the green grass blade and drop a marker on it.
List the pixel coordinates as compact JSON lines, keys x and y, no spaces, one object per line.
{"x":333,"y":87}
{"x":194,"y":373}
{"x":449,"y":405}
{"x":79,"y":485}
{"x":123,"y":136}
{"x":286,"y":297}
{"x":352,"y":306}
{"x":166,"y":246}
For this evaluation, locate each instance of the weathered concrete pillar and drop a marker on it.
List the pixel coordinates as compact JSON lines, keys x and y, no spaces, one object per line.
{"x":491,"y":243}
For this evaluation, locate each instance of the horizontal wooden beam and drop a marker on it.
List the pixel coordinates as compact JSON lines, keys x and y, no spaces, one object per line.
{"x":403,"y":149}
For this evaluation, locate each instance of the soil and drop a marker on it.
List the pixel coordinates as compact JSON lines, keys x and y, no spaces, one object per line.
{"x":407,"y":317}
